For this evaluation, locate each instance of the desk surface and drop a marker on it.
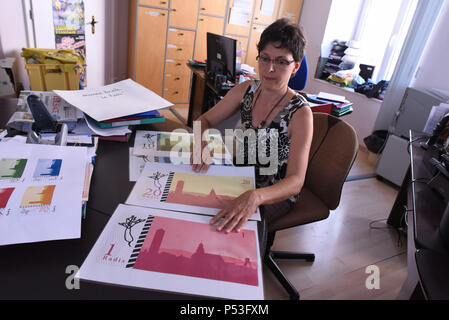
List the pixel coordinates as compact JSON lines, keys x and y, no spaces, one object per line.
{"x":38,"y":270}
{"x":427,"y":258}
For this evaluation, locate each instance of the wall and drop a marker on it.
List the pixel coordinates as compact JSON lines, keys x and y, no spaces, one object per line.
{"x":14,"y":37}
{"x":433,"y":68}
{"x":314,"y":17}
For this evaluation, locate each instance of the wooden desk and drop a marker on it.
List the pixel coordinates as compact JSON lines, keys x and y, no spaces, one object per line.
{"x":38,"y":270}
{"x":422,"y":208}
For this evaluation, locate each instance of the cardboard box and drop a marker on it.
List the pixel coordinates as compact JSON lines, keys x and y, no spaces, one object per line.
{"x":7,"y":85}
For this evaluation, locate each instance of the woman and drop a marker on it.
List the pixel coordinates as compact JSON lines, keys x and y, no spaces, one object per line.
{"x":266,"y":104}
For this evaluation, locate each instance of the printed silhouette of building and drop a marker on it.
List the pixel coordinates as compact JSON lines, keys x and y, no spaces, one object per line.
{"x":212,"y":200}
{"x":201,"y":264}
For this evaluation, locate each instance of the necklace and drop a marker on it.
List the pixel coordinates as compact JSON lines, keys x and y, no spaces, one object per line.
{"x":263,"y":122}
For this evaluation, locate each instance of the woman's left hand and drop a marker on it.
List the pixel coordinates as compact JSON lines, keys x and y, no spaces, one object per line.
{"x":237,"y":212}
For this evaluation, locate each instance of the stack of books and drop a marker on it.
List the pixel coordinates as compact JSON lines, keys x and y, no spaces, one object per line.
{"x":342,"y":109}
{"x":329,"y":103}
{"x":152,"y":116}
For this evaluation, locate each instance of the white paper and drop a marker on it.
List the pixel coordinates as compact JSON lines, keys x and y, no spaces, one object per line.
{"x":41,"y":190}
{"x":116,"y":131}
{"x":170,"y":251}
{"x":58,"y":108}
{"x":436,"y":114}
{"x":178,"y":187}
{"x":137,"y":163}
{"x":239,"y":17}
{"x":177,"y":145}
{"x":267,"y":7}
{"x":115,"y":100}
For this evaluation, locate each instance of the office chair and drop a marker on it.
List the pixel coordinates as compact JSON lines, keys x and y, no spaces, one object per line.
{"x":298,"y":82}
{"x":333,"y":151}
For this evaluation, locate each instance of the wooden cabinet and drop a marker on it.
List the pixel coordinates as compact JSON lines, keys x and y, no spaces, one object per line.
{"x":177,"y":76}
{"x":264,"y":13}
{"x":256,"y":32}
{"x":165,"y":34}
{"x":213,"y":7}
{"x":290,"y":9}
{"x":206,"y":24}
{"x":184,"y":14}
{"x":149,"y":70}
{"x":154,"y":3}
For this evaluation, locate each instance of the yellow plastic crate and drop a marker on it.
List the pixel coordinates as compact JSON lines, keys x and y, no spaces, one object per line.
{"x":48,"y":77}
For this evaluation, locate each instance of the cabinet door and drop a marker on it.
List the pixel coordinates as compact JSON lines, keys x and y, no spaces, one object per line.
{"x":151,"y":30}
{"x":265,"y":12}
{"x":256,"y":32}
{"x":238,"y":24}
{"x":290,"y":9}
{"x":244,"y":43}
{"x":180,"y":44}
{"x":206,"y":24}
{"x":155,"y":3}
{"x":213,"y":7}
{"x":176,"y":88}
{"x":184,"y":13}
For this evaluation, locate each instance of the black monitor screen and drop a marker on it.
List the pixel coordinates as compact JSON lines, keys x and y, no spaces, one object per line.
{"x":221,"y":53}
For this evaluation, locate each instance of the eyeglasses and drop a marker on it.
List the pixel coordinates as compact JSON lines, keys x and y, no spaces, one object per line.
{"x":278,"y":62}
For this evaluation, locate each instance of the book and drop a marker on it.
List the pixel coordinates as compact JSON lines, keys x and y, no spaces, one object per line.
{"x":325,"y":108}
{"x":106,"y":125}
{"x":331,"y":97}
{"x":143,"y":115}
{"x":342,"y":113}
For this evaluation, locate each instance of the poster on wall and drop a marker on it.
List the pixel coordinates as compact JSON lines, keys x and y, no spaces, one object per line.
{"x":68,"y":19}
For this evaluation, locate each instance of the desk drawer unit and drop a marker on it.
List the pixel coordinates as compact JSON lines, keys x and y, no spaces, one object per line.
{"x":176,"y":88}
{"x":177,"y":75}
{"x":180,"y":44}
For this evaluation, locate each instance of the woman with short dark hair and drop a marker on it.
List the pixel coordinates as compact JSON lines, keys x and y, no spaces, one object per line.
{"x":265,"y":105}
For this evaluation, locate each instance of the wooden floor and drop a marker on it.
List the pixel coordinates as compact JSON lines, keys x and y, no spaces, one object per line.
{"x":345,"y":244}
{"x":351,"y":239}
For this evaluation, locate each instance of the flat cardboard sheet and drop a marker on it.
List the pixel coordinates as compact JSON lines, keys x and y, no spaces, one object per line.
{"x":41,"y":190}
{"x":119,"y":99}
{"x":178,"y":187}
{"x":175,"y":252}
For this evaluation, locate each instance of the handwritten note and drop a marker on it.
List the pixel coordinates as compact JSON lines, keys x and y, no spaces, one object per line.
{"x":115,"y":100}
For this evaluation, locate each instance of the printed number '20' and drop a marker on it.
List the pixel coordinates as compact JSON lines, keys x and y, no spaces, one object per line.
{"x":152,"y":194}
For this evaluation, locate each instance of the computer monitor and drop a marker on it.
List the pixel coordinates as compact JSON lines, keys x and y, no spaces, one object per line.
{"x":221,"y":56}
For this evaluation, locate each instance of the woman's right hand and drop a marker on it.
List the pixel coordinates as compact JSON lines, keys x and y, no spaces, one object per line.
{"x":201,"y":157}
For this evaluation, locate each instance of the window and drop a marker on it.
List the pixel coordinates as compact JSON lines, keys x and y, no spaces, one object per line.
{"x":378,"y":27}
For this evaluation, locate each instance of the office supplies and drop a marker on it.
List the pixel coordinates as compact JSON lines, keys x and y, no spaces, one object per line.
{"x":44,"y":123}
{"x":177,"y":187}
{"x":177,"y":252}
{"x":331,"y":97}
{"x":115,"y":100}
{"x":41,"y":188}
{"x":124,"y":123}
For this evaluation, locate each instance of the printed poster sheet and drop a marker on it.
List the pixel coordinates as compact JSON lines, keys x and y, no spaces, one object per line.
{"x":41,"y":189}
{"x":137,"y":163}
{"x":179,"y":188}
{"x":175,"y":252}
{"x":165,"y":144}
